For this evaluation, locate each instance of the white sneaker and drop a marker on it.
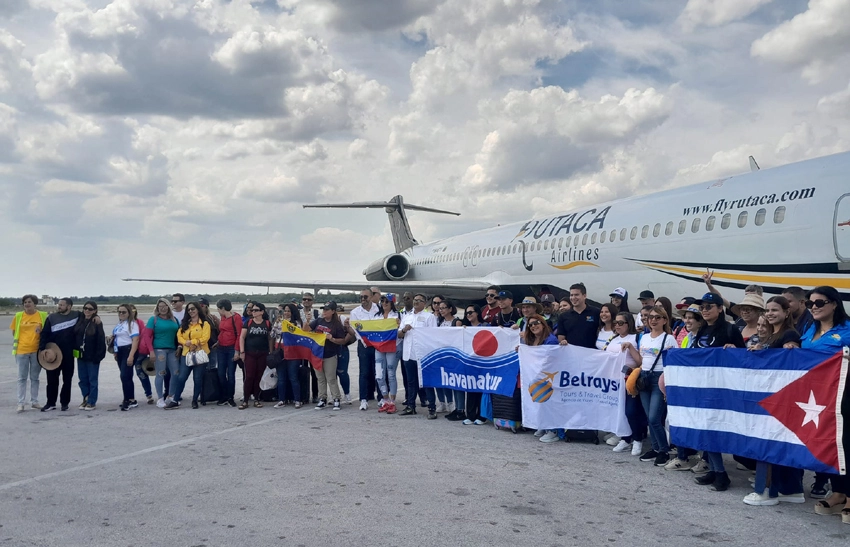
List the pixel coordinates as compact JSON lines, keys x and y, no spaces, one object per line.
{"x":450,"y":407}
{"x":479,"y":421}
{"x":622,"y":446}
{"x":793,"y":498}
{"x":613,"y":440}
{"x":279,"y":404}
{"x":467,"y":422}
{"x":20,"y":408}
{"x":761,"y":499}
{"x":539,"y":432}
{"x":160,"y":403}
{"x":637,"y":448}
{"x":347,"y":399}
{"x":700,"y":468}
{"x":364,"y":405}
{"x":549,"y":437}
{"x":337,"y":407}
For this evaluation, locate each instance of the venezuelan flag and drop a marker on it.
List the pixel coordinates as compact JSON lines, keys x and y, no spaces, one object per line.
{"x":299,"y":344}
{"x":380,"y":334}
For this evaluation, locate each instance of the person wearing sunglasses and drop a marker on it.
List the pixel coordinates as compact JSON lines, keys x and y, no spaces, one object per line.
{"x":125,"y":342}
{"x":715,"y":332}
{"x":651,"y":346}
{"x":830,"y":330}
{"x":538,"y":333}
{"x":447,"y":318}
{"x":419,"y":318}
{"x":491,"y":304}
{"x":256,"y":341}
{"x":164,"y":327}
{"x":472,"y":318}
{"x":193,"y":335}
{"x":625,"y":341}
{"x":336,"y":335}
{"x":91,"y":342}
{"x":177,"y":303}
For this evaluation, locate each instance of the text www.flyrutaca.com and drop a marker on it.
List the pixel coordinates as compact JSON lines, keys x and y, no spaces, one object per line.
{"x":722,"y":205}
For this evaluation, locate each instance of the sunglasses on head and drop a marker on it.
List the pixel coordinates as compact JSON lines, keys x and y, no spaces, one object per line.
{"x":819,"y":303}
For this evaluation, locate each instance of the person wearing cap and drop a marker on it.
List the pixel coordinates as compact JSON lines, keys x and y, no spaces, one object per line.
{"x":91,"y":350}
{"x":647,"y":302}
{"x":507,"y":316}
{"x":550,"y":310}
{"x":528,"y":307}
{"x":749,"y":310}
{"x":620,"y":299}
{"x":418,"y":319}
{"x":749,"y":289}
{"x":716,"y":332}
{"x":365,"y":355}
{"x":335,"y":334}
{"x":26,"y":330}
{"x":59,"y":329}
{"x":491,"y":304}
{"x":580,"y":325}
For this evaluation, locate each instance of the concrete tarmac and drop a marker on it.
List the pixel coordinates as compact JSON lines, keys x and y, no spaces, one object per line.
{"x":220,"y":476}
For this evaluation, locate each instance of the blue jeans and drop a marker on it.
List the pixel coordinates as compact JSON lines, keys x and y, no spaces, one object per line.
{"x":715,"y":462}
{"x":28,"y":367}
{"x":226,"y":372}
{"x":443,"y":395}
{"x":411,"y":389}
{"x":343,"y":359}
{"x":366,"y":356}
{"x":287,"y":373}
{"x":88,"y":372}
{"x":178,"y":384}
{"x":783,"y":480}
{"x":460,"y":400}
{"x":386,"y":364}
{"x":143,"y":377}
{"x":166,"y":362}
{"x":656,"y":411}
{"x":126,"y":372}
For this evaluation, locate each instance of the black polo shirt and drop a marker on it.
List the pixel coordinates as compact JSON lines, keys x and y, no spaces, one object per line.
{"x":580,"y":329}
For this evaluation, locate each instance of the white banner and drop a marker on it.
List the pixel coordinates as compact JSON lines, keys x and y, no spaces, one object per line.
{"x":573,"y":388}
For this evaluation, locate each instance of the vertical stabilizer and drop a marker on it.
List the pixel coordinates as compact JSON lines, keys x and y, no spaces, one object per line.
{"x":395,"y":208}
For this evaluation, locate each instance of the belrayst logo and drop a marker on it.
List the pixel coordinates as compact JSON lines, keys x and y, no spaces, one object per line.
{"x":542,"y":388}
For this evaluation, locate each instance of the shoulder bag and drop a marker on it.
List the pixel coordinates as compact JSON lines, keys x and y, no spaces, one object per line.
{"x":641,"y":384}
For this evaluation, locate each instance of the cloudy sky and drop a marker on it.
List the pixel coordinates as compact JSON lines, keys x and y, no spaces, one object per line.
{"x":180,"y":137}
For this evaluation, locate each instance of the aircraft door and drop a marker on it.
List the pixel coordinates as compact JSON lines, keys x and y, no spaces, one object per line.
{"x":842,"y":228}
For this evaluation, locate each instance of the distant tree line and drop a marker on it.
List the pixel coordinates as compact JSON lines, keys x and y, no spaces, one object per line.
{"x":213,"y":298}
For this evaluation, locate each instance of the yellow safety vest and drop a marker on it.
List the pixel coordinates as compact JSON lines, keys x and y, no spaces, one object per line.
{"x":18,"y":317}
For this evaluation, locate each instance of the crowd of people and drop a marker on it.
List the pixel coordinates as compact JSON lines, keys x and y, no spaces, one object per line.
{"x":185,"y":339}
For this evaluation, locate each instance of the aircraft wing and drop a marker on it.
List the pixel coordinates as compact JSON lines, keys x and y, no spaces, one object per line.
{"x":471,"y":289}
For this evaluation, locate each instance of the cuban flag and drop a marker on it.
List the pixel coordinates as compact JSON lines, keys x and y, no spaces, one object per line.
{"x":775,"y":405}
{"x":299,"y":344}
{"x":480,"y":359}
{"x":380,"y":334}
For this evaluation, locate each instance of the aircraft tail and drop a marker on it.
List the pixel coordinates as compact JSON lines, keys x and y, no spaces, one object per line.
{"x":395,"y":209}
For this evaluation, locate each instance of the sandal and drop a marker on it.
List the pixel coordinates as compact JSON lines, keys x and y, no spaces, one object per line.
{"x":824,"y":508}
{"x":258,"y":404}
{"x":243,"y":406}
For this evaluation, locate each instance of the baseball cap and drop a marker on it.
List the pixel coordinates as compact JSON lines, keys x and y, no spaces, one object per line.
{"x":686,"y":302}
{"x":709,"y":298}
{"x":547,"y":298}
{"x":204,"y":301}
{"x":330,"y":306}
{"x":505,"y":294}
{"x":645,"y":295}
{"x":620,"y":292}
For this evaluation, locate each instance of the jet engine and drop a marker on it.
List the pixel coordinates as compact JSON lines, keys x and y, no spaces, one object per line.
{"x":394,"y":267}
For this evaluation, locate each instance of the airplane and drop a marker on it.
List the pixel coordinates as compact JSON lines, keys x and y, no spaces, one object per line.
{"x":776,"y":228}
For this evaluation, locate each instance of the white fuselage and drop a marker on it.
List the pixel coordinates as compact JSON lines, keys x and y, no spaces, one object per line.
{"x":776,"y":228}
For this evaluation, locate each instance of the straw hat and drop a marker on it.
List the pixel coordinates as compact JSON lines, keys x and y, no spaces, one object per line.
{"x":50,"y":358}
{"x":750,"y":299}
{"x":531,"y":301}
{"x":148,"y":366}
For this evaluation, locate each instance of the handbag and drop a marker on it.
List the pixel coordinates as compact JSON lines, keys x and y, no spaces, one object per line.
{"x":641,"y":384}
{"x":197,"y":357}
{"x":269,"y":379}
{"x":275,"y":358}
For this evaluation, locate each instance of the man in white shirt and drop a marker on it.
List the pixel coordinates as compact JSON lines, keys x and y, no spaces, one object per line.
{"x":366,"y":311}
{"x":177,"y":303}
{"x":418,"y":319}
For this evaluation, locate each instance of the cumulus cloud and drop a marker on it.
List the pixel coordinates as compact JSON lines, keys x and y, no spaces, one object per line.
{"x":718,"y":12}
{"x":815,"y":40}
